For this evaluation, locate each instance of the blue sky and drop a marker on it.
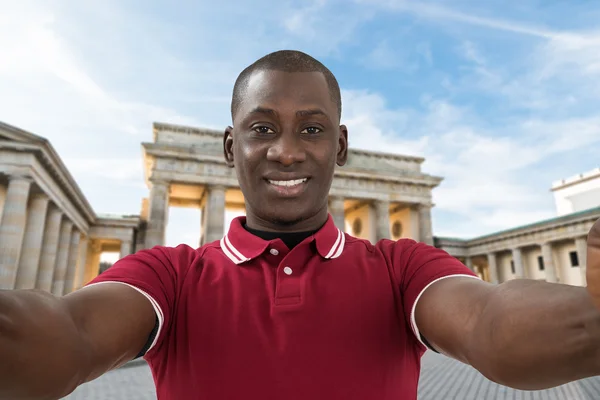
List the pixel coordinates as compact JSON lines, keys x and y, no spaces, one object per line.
{"x":500,"y":99}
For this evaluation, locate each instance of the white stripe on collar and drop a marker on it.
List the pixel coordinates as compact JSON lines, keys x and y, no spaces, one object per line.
{"x":231,"y":252}
{"x":338,"y":246}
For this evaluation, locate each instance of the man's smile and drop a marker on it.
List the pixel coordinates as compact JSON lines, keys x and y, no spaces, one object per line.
{"x":288,"y":187}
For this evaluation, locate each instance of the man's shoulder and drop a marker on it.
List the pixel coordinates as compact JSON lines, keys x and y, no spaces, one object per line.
{"x":389,"y":248}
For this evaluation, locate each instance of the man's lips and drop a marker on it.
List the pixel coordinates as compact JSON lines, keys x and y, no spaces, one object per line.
{"x":288,"y":187}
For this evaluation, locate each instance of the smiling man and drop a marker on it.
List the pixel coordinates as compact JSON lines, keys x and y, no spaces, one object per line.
{"x":285,"y":305}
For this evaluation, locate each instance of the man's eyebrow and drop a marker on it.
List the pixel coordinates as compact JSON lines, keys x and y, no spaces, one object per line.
{"x":312,"y":111}
{"x":263,"y":110}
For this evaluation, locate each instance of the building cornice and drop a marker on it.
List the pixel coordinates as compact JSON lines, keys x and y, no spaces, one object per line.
{"x":541,"y":229}
{"x":49,"y":158}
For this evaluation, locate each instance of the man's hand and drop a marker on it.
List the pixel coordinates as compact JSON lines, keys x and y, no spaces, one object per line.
{"x":593,"y":263}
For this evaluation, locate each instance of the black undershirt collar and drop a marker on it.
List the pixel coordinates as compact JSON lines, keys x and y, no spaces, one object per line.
{"x":290,"y":239}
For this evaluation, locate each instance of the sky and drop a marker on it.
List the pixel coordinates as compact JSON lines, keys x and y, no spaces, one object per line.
{"x":501,"y":98}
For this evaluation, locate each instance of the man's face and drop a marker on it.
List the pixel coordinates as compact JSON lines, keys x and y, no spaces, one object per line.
{"x":285,"y":143}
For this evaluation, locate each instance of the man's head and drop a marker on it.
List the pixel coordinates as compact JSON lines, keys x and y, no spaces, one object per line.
{"x":286,"y":140}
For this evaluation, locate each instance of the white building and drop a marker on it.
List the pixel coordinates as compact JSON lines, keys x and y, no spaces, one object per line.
{"x":577,"y":193}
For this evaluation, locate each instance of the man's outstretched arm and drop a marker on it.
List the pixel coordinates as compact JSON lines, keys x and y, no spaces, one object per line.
{"x":51,"y":345}
{"x":524,"y":334}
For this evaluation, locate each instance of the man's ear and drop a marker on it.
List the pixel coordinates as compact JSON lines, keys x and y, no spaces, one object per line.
{"x":342,"y":148}
{"x":228,"y":146}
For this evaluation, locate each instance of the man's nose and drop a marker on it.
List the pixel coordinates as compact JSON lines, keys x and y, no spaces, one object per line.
{"x":287,"y":150}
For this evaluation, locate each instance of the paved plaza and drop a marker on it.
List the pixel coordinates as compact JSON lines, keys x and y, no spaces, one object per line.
{"x":441,"y":379}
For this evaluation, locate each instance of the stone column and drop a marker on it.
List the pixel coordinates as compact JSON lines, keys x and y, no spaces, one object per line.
{"x":382,"y":219}
{"x":425,"y":228}
{"x":62,"y":258}
{"x":12,"y":229}
{"x":158,"y":214}
{"x":72,"y":261}
{"x":92,"y":265}
{"x":581,"y":246}
{"x":32,"y":242}
{"x":415,"y":232}
{"x":213,"y":214}
{"x":49,"y":249}
{"x":493,"y":268}
{"x":549,"y":263}
{"x":81,"y":263}
{"x":517,"y":257}
{"x":125,"y":248}
{"x":469,"y":263}
{"x":2,"y":198}
{"x":336,"y":209}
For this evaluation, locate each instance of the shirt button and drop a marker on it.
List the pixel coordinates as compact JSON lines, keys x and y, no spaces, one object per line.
{"x":274,"y":252}
{"x":287,"y":270}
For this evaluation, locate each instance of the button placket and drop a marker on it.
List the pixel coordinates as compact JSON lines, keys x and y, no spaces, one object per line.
{"x":287,"y":291}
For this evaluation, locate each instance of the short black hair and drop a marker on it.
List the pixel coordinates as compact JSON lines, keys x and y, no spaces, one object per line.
{"x":286,"y":61}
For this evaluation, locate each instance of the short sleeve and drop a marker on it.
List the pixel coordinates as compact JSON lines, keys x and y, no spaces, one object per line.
{"x":417,"y":266}
{"x":157,"y":274}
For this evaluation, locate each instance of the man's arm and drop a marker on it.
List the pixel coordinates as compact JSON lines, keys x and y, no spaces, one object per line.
{"x":522,"y":333}
{"x":50,"y":345}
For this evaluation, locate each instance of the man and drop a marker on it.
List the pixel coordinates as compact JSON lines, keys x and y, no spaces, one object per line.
{"x":286,"y":306}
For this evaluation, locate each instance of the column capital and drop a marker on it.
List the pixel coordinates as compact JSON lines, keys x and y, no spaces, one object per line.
{"x":95,"y":245}
{"x":18,"y":176}
{"x":216,"y":187}
{"x":380,"y":203}
{"x":336,"y":199}
{"x":39,"y":196}
{"x":160,"y":183}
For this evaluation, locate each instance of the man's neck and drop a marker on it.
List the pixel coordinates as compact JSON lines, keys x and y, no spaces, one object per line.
{"x":313,"y":223}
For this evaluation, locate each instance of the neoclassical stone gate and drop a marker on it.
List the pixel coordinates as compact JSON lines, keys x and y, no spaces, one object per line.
{"x":375,"y":196}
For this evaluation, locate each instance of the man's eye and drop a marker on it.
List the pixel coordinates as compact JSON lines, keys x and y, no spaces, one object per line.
{"x":312,"y":130}
{"x":263,"y":130}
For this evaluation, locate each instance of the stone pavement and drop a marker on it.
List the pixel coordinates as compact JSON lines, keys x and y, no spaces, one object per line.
{"x":441,"y":379}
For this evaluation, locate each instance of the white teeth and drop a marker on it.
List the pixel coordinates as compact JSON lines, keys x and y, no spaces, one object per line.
{"x":288,"y":183}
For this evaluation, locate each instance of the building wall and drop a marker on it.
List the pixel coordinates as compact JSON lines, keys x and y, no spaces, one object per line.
{"x":404,"y":217}
{"x":531,"y":265}
{"x":367,"y":217}
{"x":567,"y":273}
{"x":582,"y":193}
{"x":2,"y":199}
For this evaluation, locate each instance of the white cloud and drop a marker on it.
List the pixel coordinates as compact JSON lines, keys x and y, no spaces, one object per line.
{"x":438,"y":12}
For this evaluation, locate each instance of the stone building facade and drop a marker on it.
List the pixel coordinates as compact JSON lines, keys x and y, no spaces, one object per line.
{"x":553,"y":250}
{"x":50,"y":238}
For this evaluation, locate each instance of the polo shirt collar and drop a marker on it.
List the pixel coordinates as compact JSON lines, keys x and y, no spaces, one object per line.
{"x":240,"y":246}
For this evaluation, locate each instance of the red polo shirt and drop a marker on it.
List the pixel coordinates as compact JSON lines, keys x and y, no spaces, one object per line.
{"x":246,"y":318}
